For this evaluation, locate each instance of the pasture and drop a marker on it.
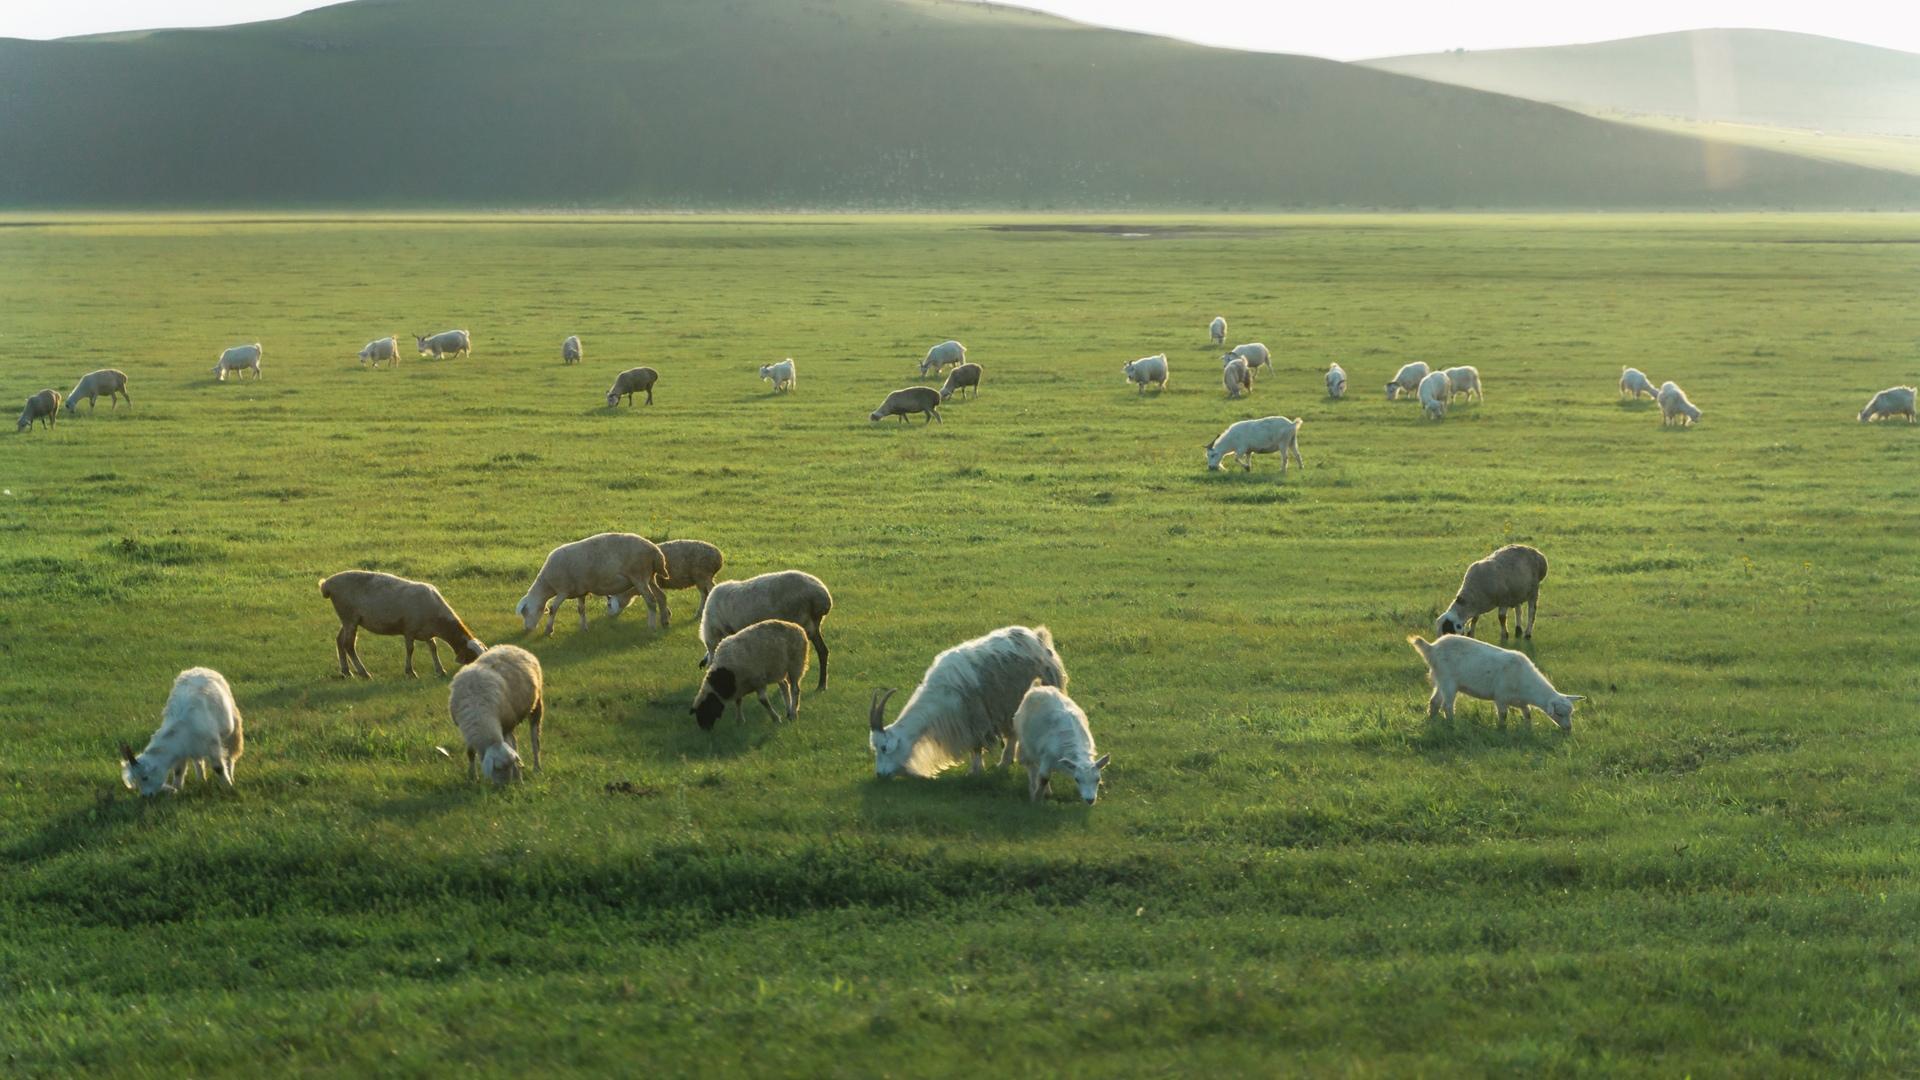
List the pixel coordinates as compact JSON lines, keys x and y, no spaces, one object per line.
{"x":1290,"y":869}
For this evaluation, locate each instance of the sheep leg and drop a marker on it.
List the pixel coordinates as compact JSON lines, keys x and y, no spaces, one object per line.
{"x":1006,"y":754}
{"x":657,"y":600}
{"x":705,"y":588}
{"x":792,"y":689}
{"x":350,"y":634}
{"x":649,"y":395}
{"x":1034,"y":783}
{"x":819,"y":646}
{"x":408,"y":670}
{"x":223,"y":768}
{"x":1447,"y":702}
{"x":977,"y":766}
{"x":767,"y":705}
{"x":553,"y":611}
{"x":1533,"y":605}
{"x":583,"y":613}
{"x":433,"y":649}
{"x":1500,"y":709}
{"x":202,"y":762}
{"x":533,"y":729}
{"x":1433,"y":705}
{"x":340,"y":648}
{"x":472,"y":768}
{"x":1502,"y":614}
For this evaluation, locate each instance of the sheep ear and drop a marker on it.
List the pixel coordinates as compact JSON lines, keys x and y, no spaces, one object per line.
{"x":1574,"y":697}
{"x":1101,"y":761}
{"x":126,"y":753}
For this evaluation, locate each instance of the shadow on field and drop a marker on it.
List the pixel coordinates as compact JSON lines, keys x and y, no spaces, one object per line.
{"x":992,"y":804}
{"x":1639,"y":405}
{"x":327,"y":691}
{"x":114,"y":809}
{"x":571,"y":645}
{"x":1479,"y":735}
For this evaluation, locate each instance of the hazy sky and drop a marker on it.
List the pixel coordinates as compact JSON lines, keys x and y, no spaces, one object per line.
{"x":1348,"y":30}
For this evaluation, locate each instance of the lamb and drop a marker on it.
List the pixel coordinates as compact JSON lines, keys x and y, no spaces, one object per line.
{"x":44,"y":407}
{"x":792,"y":595}
{"x":1336,"y":381}
{"x":387,"y":349}
{"x":606,"y":564}
{"x":1218,"y":329}
{"x":1435,"y":391}
{"x":241,"y":358}
{"x":690,"y":564}
{"x":570,"y":350}
{"x":909,"y":400}
{"x":772,"y":652}
{"x":201,"y":724}
{"x":964,"y":704}
{"x":960,"y":378}
{"x":632,"y":381}
{"x":1505,"y":579}
{"x":488,"y":699}
{"x":1461,"y":665}
{"x":1891,"y":402}
{"x":1051,"y":733}
{"x":943,"y":355}
{"x":1407,"y":379}
{"x":1465,"y":380}
{"x":1147,"y":369}
{"x":1634,"y":382}
{"x":1238,"y":379}
{"x":1254,"y":353}
{"x":1674,"y":406}
{"x":385,"y":604}
{"x":108,"y":381}
{"x":781,"y":375}
{"x":455,"y":342}
{"x":1267,"y":435}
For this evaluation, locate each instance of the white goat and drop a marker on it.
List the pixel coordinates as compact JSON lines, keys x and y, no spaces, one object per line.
{"x":781,"y":375}
{"x":1465,"y":380}
{"x":1267,"y":435}
{"x":1147,"y":369}
{"x":1674,"y":406}
{"x":201,"y":724}
{"x":1462,"y":665}
{"x":945,"y":354}
{"x":1336,"y":381}
{"x":386,"y":349}
{"x":241,"y":358}
{"x":1218,"y":328}
{"x":1894,"y":401}
{"x":1052,"y":733}
{"x":1435,"y":391}
{"x":1634,"y":382}
{"x":1407,"y":379}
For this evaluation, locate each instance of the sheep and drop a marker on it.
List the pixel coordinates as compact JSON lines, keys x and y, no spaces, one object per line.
{"x":1238,"y":379}
{"x":1891,"y":402}
{"x":771,"y":652}
{"x":1461,"y":665}
{"x":961,"y":378}
{"x":964,"y":704}
{"x":1435,"y":391}
{"x":1051,"y":733}
{"x":570,"y":350}
{"x":632,"y":381}
{"x":387,"y":349}
{"x":792,"y":595}
{"x":200,"y":724}
{"x":1254,"y":353}
{"x":1634,"y":382}
{"x":456,"y":342}
{"x":240,"y":358}
{"x":1505,"y":579}
{"x":43,"y":406}
{"x":909,"y":400}
{"x":1267,"y":435}
{"x":1674,"y":406}
{"x":1464,"y":380}
{"x":108,"y":381}
{"x":385,"y":604}
{"x":1147,"y":369}
{"x":782,"y":375}
{"x":606,"y":564}
{"x":1218,"y":329}
{"x":690,"y":564}
{"x":1336,"y":381}
{"x":1407,"y":379}
{"x":488,"y":699}
{"x":943,"y":355}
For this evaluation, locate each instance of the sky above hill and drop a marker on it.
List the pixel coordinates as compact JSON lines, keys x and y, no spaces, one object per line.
{"x":1355,"y":30}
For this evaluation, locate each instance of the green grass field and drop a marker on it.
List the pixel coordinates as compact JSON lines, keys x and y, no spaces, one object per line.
{"x":1290,"y":870}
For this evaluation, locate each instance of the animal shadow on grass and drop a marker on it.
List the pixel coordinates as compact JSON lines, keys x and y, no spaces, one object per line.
{"x":604,"y":634}
{"x":327,"y":691}
{"x":113,"y":809}
{"x":1638,"y":405}
{"x":452,"y":791}
{"x":993,"y":803}
{"x":729,"y":737}
{"x":1475,"y":733}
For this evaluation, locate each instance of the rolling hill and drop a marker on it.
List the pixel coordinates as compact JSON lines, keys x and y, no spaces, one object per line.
{"x":819,"y":104}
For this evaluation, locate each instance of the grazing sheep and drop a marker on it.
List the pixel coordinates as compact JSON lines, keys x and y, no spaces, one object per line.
{"x":1435,"y":391}
{"x":771,"y":652}
{"x":387,"y":349}
{"x":1267,"y":435}
{"x":961,"y":378}
{"x":1464,"y":380}
{"x":1336,"y":381}
{"x":1407,"y":379}
{"x":1461,"y":665}
{"x":606,"y":564}
{"x":1634,"y":382}
{"x":909,"y":400}
{"x":1147,"y":369}
{"x":1505,"y":579}
{"x":43,"y":406}
{"x":964,"y":704}
{"x":1238,"y":379}
{"x":792,"y":595}
{"x":1891,"y":402}
{"x":782,"y":375}
{"x":488,"y":699}
{"x":1218,"y":328}
{"x":943,"y":355}
{"x":690,"y":564}
{"x":1254,"y":353}
{"x":106,"y":381}
{"x":1051,"y":732}
{"x":240,"y":358}
{"x":201,"y":724}
{"x":632,"y":381}
{"x":385,"y":604}
{"x":570,"y":350}
{"x":1674,"y":406}
{"x":455,"y":342}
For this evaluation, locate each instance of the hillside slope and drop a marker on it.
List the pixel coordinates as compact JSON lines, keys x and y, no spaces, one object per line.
{"x":882,"y":104}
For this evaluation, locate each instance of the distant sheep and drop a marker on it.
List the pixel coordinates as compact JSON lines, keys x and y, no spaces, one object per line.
{"x":945,"y":354}
{"x":907,"y":401}
{"x":1634,"y":382}
{"x":966,"y":376}
{"x":1461,"y":665}
{"x":1147,"y":369}
{"x":1051,"y":733}
{"x":1267,"y":435}
{"x":1237,"y":378}
{"x":1407,"y":379}
{"x":445,"y":343}
{"x":385,"y":604}
{"x":964,"y":704}
{"x":1892,"y":402}
{"x":781,"y":375}
{"x":1254,"y":353}
{"x":240,"y":358}
{"x":1336,"y":381}
{"x":1505,"y":579}
{"x":691,"y":564}
{"x":106,"y":381}
{"x":792,"y":595}
{"x":201,"y":724}
{"x":772,"y":652}
{"x":632,"y":381}
{"x":386,"y":350}
{"x":488,"y":700}
{"x":1674,"y":406}
{"x":606,"y":564}
{"x":43,"y":406}
{"x":1218,"y":328}
{"x":1464,"y":380}
{"x":1435,"y":391}
{"x":571,"y":351}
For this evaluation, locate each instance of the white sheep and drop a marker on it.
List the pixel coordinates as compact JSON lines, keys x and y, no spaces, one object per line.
{"x":965,"y":376}
{"x":385,"y":604}
{"x":1892,"y":402}
{"x":606,"y":564}
{"x":1237,"y":378}
{"x":1218,"y":329}
{"x":240,"y":358}
{"x":781,"y":375}
{"x":43,"y":406}
{"x":488,"y":699}
{"x":964,"y":703}
{"x":1464,"y":380}
{"x":1407,"y":379}
{"x":1634,"y":382}
{"x":1461,"y":665}
{"x":455,"y":342}
{"x":1503,"y":580}
{"x":1267,"y":435}
{"x":1254,"y":353}
{"x":691,"y":564}
{"x":772,"y":652}
{"x":201,"y":724}
{"x":792,"y":595}
{"x":106,"y":381}
{"x":1336,"y":381}
{"x":386,"y":349}
{"x":943,"y":355}
{"x":571,"y":352}
{"x":1051,"y":733}
{"x":1435,"y":391}
{"x":1674,"y":406}
{"x":632,"y":381}
{"x":1147,"y":369}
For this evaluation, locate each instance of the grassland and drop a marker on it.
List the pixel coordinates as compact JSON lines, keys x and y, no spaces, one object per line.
{"x":1291,"y":871}
{"x":1898,"y":152}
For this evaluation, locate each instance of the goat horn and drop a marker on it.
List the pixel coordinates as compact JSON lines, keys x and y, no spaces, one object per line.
{"x":877,"y":718}
{"x":126,"y":753}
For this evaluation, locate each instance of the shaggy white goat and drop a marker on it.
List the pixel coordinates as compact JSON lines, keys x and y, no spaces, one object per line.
{"x":1462,"y":665}
{"x":201,"y":724}
{"x":964,"y":703}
